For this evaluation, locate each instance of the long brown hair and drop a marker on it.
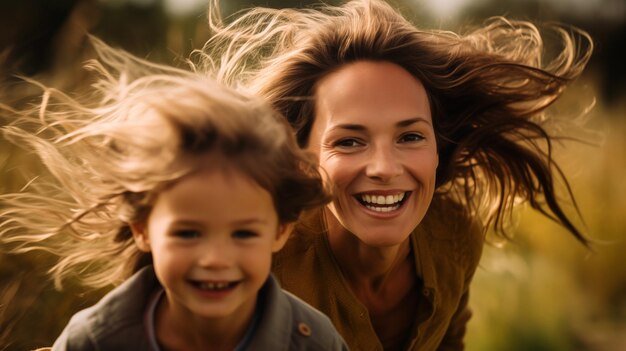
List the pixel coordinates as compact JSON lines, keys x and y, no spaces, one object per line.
{"x":488,"y":90}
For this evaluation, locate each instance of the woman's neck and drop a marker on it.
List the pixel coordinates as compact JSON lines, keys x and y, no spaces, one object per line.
{"x":383,"y":279}
{"x":179,"y":329}
{"x":365,"y":266}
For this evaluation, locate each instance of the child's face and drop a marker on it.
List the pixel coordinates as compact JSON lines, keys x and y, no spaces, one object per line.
{"x":212,"y":235}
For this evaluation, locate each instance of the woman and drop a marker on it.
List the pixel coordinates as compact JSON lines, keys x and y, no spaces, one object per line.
{"x":428,"y":138}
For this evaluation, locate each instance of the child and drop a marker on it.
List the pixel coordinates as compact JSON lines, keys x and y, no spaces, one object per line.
{"x":191,"y":186}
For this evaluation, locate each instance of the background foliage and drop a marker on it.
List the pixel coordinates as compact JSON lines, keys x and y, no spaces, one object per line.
{"x":542,"y":291}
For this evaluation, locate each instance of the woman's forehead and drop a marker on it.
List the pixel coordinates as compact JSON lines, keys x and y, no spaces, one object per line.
{"x":366,"y":90}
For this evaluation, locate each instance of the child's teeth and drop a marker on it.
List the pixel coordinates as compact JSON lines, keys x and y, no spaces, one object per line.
{"x":214,"y":286}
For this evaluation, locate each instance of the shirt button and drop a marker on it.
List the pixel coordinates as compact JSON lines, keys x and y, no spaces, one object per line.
{"x":304,"y":329}
{"x":426,"y":292}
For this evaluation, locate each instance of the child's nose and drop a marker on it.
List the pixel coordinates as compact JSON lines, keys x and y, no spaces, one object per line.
{"x":215,"y":254}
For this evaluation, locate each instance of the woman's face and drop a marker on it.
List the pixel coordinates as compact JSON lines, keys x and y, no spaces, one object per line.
{"x":373,"y":133}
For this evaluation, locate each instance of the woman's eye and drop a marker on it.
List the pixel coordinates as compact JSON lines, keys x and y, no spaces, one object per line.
{"x":244,"y":234}
{"x":411,"y":138}
{"x":347,"y":143}
{"x":187,"y":233}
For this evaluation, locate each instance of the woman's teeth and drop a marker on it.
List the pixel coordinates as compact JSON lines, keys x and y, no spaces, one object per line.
{"x":382,"y":203}
{"x":381,"y":199}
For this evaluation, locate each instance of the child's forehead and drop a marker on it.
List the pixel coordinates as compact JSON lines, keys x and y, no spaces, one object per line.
{"x":216,"y":188}
{"x":229,"y":170}
{"x":216,"y":166}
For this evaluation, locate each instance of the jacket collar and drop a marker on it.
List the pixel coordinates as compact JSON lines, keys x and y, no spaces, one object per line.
{"x":420,"y":244}
{"x":274,"y":328}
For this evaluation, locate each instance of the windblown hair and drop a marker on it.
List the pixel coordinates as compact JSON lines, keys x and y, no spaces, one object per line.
{"x":149,"y":126}
{"x":488,"y":90}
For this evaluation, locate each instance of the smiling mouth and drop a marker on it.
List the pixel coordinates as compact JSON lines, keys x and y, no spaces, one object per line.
{"x":214,"y":286}
{"x":382,"y":203}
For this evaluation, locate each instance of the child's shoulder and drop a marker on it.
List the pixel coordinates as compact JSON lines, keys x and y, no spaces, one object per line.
{"x":309,"y":328}
{"x":304,"y":312}
{"x":116,"y":321}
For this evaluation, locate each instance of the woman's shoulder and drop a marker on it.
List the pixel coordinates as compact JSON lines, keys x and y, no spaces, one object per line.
{"x":447,"y":219}
{"x":451,"y":230}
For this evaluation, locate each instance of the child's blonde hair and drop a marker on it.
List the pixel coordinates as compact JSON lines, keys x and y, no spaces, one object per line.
{"x":150,"y":126}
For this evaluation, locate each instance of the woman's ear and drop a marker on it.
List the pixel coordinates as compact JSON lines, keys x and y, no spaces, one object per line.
{"x":284,"y":230}
{"x":140,"y":235}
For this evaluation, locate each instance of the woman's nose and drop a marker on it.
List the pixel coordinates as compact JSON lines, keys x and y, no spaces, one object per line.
{"x":383,"y":165}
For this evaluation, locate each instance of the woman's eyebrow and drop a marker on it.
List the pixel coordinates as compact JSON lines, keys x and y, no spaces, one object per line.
{"x":400,"y":124}
{"x":349,"y":126}
{"x":408,"y":122}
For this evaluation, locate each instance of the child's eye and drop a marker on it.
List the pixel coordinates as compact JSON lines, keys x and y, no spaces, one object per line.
{"x":347,"y":143}
{"x":187,"y":233}
{"x":244,"y":234}
{"x":411,"y":138}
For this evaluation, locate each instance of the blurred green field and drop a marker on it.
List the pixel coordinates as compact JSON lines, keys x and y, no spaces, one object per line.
{"x":542,"y":291}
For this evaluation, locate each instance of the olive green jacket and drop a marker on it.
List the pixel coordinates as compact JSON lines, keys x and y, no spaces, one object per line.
{"x":446,"y":246}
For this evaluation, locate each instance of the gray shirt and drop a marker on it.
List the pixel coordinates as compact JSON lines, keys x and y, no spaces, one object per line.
{"x":117,"y":321}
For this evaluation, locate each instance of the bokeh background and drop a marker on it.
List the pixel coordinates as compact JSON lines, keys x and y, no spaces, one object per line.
{"x":541,"y":291}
